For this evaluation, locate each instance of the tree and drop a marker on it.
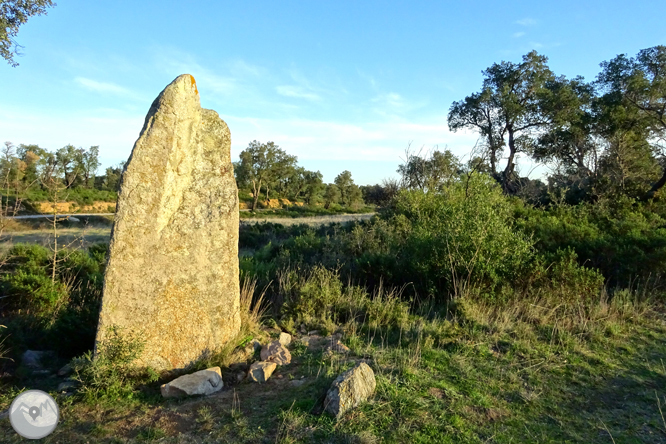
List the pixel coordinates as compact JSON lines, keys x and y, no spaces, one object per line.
{"x":314,"y":187}
{"x":569,"y":136}
{"x":69,"y":160}
{"x":350,"y":193}
{"x":635,"y":90}
{"x":332,"y":195}
{"x":32,"y":156}
{"x":88,"y":163}
{"x":13,"y":14}
{"x":262,"y":164}
{"x":508,"y":107}
{"x":430,"y":172}
{"x":111,"y":179}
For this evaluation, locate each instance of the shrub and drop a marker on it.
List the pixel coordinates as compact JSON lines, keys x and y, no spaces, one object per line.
{"x":444,"y":242}
{"x":318,"y":300}
{"x":112,"y":374}
{"x":624,"y":239}
{"x":58,"y":314}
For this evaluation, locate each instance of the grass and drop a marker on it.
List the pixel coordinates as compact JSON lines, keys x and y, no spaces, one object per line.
{"x":523,"y":372}
{"x":534,"y":369}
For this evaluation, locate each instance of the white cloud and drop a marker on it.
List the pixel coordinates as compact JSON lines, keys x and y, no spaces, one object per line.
{"x":527,"y":21}
{"x":114,"y":131}
{"x":324,"y":141}
{"x":103,"y":87}
{"x":296,"y":92}
{"x":518,"y":34}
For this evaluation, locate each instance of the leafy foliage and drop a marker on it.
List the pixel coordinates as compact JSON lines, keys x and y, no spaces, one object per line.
{"x":13,"y":14}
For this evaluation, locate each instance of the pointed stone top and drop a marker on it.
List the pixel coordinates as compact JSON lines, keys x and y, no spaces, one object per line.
{"x":188,"y":82}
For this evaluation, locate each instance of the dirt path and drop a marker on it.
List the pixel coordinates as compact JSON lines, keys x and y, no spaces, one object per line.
{"x":312,"y":221}
{"x":84,"y":237}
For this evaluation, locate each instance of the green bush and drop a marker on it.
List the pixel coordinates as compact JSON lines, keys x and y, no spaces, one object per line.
{"x":444,"y":243}
{"x":58,"y":314}
{"x":318,"y":300}
{"x":624,"y":239}
{"x":112,"y":374}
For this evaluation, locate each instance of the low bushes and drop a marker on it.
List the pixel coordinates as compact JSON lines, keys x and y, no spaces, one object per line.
{"x":47,"y":311}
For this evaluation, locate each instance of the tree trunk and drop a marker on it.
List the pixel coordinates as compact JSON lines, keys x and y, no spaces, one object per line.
{"x":508,"y":171}
{"x":656,"y":187}
{"x":256,"y":194}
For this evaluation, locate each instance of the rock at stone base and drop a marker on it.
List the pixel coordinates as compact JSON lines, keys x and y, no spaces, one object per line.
{"x":67,"y":385}
{"x":337,"y":346}
{"x":203,"y":382}
{"x":350,"y":389}
{"x":252,"y":347}
{"x":33,"y":358}
{"x":276,"y":352}
{"x":284,"y":339}
{"x":65,"y":370}
{"x":261,"y":371}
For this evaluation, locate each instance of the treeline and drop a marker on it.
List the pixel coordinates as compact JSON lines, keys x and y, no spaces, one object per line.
{"x":603,"y":138}
{"x":265,"y":171}
{"x":33,"y":172}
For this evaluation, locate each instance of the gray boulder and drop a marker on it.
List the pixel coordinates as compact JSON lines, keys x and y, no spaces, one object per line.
{"x":34,"y":359}
{"x":350,"y":389}
{"x":65,"y":370}
{"x":67,"y":385}
{"x":261,"y":371}
{"x":203,"y":382}
{"x":276,"y":352}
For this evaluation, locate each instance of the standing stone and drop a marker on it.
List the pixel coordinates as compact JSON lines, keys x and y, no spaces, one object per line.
{"x":172,"y":274}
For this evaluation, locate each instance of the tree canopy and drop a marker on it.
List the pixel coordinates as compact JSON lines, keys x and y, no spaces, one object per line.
{"x":13,"y":14}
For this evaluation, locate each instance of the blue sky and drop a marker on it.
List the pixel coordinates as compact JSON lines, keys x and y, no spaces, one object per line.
{"x":341,"y":85}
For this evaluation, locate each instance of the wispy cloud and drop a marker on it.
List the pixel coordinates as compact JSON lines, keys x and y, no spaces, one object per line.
{"x":103,"y":87}
{"x":527,"y":21}
{"x":518,"y":34}
{"x":297,"y":92}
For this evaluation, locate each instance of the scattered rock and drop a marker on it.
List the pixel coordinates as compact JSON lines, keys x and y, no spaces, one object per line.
{"x":34,"y":359}
{"x":297,"y":382}
{"x":252,"y":347}
{"x":261,"y":371}
{"x":240,"y":376}
{"x":337,"y":346}
{"x":350,"y":389}
{"x":172,"y":274}
{"x":276,"y":352}
{"x":203,"y":382}
{"x":73,"y":219}
{"x":66,"y":370}
{"x":313,"y":333}
{"x":284,"y":339}
{"x":67,"y":385}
